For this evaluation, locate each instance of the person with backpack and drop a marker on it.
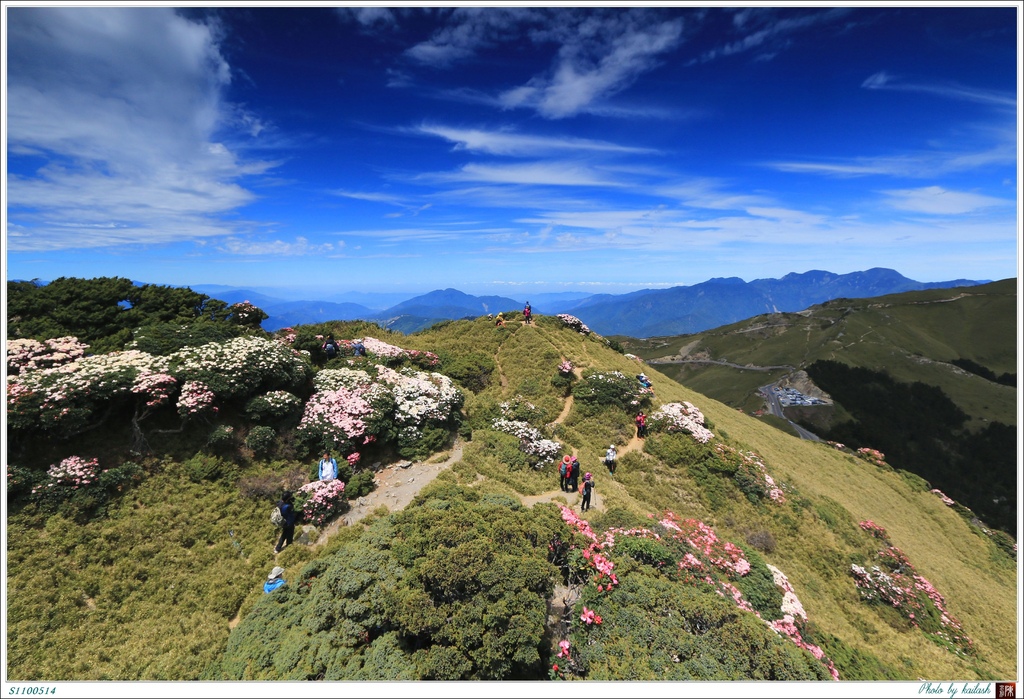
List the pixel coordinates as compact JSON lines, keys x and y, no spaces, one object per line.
{"x":574,"y":474}
{"x":274,"y":580}
{"x":609,"y":459}
{"x":330,"y":347}
{"x":588,"y":489}
{"x":289,"y":516}
{"x":563,"y":479}
{"x":641,"y":425}
{"x":328,"y":468}
{"x":527,"y":313}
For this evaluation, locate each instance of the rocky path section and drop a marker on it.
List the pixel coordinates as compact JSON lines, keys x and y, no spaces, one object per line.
{"x":397,"y":485}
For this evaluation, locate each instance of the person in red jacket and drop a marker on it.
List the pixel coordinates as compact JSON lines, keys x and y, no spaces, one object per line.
{"x":641,"y":425}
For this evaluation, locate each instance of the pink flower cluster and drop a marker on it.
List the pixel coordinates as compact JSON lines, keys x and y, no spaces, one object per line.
{"x":338,"y":414}
{"x":942,"y":496}
{"x":563,"y":646}
{"x":565,"y":367}
{"x":321,"y":500}
{"x":287,"y":336}
{"x":896,"y":583}
{"x":872,"y":455}
{"x":790,"y":603}
{"x":589,"y":617}
{"x":788,"y":628}
{"x":196,"y":397}
{"x":680,"y":417}
{"x":155,"y":388}
{"x":875,"y":530}
{"x":723,"y":555}
{"x":591,"y":554}
{"x":73,"y":471}
{"x":29,"y":355}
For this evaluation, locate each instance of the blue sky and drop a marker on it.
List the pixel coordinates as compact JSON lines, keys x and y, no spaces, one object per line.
{"x":509,"y":149}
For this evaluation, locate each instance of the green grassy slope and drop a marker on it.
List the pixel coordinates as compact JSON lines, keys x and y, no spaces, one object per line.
{"x":912,"y":336}
{"x":152,"y":591}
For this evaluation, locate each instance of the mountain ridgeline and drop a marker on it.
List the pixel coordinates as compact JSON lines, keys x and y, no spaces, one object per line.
{"x":718,"y":547}
{"x":644,"y":313}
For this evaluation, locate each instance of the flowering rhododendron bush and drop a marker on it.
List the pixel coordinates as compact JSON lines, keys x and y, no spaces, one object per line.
{"x":893,"y":582}
{"x":78,"y":484}
{"x":240,"y":367}
{"x":751,"y":475}
{"x":352,"y":407}
{"x":454,"y":587}
{"x":662,"y":599}
{"x":67,"y":399}
{"x":29,"y":355}
{"x":319,"y":501}
{"x":574,"y":323}
{"x":680,"y":417}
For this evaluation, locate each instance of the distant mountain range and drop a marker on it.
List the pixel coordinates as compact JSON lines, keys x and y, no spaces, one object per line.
{"x":678,"y":310}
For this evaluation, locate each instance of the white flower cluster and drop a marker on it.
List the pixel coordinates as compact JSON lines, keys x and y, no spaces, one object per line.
{"x":679,"y":417}
{"x":420,"y":396}
{"x":574,"y":323}
{"x":531,"y":442}
{"x":239,"y":363}
{"x":29,"y":355}
{"x":333,"y":379}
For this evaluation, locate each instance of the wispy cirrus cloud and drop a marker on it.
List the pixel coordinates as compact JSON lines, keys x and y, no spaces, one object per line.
{"x":123,"y":106}
{"x":507,"y":142}
{"x":883,"y":80}
{"x":587,"y":71}
{"x":940,"y":201}
{"x":559,"y":173}
{"x":599,"y":53}
{"x":765,"y":31}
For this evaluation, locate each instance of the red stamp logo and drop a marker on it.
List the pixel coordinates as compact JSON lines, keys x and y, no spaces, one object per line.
{"x":1006,"y":690}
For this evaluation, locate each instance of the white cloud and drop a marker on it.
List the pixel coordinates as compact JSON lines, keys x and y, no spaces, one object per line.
{"x":885,"y":81}
{"x":538,"y":173}
{"x":470,"y":30}
{"x":516,"y":144}
{"x":301,"y":246}
{"x":766,"y":32}
{"x":937,"y":200}
{"x":123,"y":105}
{"x":588,"y":71}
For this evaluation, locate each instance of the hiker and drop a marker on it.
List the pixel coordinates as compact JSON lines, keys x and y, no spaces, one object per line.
{"x":641,"y":425}
{"x":358,"y":348}
{"x":289,"y":515}
{"x":563,"y":473}
{"x":328,"y":467}
{"x":588,"y":489}
{"x":574,"y":474}
{"x":609,"y":458}
{"x":330,"y":347}
{"x":499,"y":321}
{"x":527,"y":312}
{"x":274,"y":580}
{"x":644,"y":381}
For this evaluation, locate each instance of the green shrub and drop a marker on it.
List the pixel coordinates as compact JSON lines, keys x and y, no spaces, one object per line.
{"x":646,"y":551}
{"x":759,"y":587}
{"x":261,"y":439}
{"x":206,"y":467}
{"x":273,"y":406}
{"x":473,"y":371}
{"x":609,"y":388}
{"x":222,"y":438}
{"x":359,"y":484}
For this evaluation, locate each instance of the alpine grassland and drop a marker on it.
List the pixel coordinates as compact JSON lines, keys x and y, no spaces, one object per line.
{"x":717,"y":548}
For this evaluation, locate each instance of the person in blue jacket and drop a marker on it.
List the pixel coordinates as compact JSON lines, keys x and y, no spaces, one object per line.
{"x":290,"y":516}
{"x":274,"y":580}
{"x":328,"y":467}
